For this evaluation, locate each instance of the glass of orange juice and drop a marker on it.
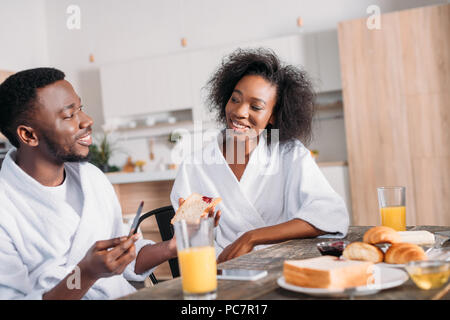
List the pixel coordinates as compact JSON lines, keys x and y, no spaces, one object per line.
{"x":197,"y":259}
{"x":391,"y":201}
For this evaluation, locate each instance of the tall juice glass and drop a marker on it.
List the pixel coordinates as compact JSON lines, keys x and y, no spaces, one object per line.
{"x":391,"y":201}
{"x":197,"y":258}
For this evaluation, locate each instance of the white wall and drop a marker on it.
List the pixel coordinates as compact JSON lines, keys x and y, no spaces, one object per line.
{"x":23,"y":34}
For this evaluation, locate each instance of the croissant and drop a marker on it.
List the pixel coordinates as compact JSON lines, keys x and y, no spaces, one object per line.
{"x":363,"y":251}
{"x":381,"y":234}
{"x":400,"y":253}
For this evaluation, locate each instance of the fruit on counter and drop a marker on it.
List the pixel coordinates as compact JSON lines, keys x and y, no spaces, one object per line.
{"x":314,"y":154}
{"x":140,"y":164}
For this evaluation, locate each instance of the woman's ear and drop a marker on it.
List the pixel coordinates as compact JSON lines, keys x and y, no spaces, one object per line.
{"x":27,"y":135}
{"x":272,"y":119}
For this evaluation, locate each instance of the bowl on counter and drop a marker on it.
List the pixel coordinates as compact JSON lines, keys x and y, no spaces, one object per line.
{"x":429,"y":274}
{"x":332,"y":248}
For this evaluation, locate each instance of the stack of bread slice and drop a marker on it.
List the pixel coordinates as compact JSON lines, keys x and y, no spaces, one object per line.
{"x":328,"y":272}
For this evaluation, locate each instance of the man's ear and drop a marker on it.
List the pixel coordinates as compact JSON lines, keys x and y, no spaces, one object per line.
{"x":27,"y":135}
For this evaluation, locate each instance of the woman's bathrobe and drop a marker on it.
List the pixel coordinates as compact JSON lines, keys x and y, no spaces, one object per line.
{"x":42,"y":238}
{"x":279,"y":184}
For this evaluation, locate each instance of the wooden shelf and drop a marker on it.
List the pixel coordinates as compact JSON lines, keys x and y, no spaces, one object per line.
{"x":337,"y":105}
{"x":332,"y":164}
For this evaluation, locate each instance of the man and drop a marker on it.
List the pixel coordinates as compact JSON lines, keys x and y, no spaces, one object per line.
{"x":61,"y":230}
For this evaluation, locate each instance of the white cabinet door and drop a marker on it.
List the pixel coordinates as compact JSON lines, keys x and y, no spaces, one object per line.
{"x":123,"y":89}
{"x":178,"y":94}
{"x":108,"y":87}
{"x":337,"y":177}
{"x":157,"y":84}
{"x":304,"y":56}
{"x":329,"y":64}
{"x":280,"y":46}
{"x":201,"y":67}
{"x":168,"y":83}
{"x":146,"y":86}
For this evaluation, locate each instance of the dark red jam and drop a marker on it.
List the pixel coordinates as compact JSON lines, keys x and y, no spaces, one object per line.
{"x":207,"y":199}
{"x":333,"y":249}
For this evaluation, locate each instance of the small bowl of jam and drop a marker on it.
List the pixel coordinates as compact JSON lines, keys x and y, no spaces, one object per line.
{"x":332,"y":248}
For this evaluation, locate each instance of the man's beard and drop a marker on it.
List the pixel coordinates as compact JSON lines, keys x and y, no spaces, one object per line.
{"x":62,"y":155}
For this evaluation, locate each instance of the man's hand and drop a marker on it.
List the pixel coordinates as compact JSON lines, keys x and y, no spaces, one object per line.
{"x":241,"y":246}
{"x":104,"y":259}
{"x":108,"y":258}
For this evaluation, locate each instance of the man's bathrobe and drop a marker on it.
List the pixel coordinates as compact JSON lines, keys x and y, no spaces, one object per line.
{"x":42,"y":238}
{"x":279,"y":184}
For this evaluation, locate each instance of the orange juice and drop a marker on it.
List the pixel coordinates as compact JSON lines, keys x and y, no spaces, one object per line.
{"x":394,"y":217}
{"x":198,"y":269}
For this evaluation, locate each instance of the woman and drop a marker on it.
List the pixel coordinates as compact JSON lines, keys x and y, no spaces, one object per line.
{"x":271,"y":187}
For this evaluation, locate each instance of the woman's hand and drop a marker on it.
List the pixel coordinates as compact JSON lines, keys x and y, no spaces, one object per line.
{"x":210,"y":212}
{"x":242,"y":245}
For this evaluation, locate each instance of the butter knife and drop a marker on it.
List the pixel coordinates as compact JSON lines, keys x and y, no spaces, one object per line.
{"x":136,"y":219}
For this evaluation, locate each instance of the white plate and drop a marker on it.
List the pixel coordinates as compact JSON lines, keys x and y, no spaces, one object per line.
{"x":385,"y":278}
{"x":390,"y":265}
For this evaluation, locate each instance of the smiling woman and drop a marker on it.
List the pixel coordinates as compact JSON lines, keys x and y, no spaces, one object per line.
{"x":284,"y":93}
{"x":272,"y":189}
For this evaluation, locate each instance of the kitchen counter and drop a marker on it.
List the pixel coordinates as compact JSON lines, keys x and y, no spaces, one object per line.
{"x":148,"y":176}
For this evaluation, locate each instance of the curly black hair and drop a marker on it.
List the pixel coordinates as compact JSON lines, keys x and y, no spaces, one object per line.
{"x":294,"y":107}
{"x":18,"y":98}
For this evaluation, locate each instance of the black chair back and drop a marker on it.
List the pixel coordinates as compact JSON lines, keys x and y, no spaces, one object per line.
{"x":163,"y":216}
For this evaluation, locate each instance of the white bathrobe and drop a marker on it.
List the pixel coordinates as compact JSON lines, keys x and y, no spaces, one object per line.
{"x":42,"y":238}
{"x":277,"y":186}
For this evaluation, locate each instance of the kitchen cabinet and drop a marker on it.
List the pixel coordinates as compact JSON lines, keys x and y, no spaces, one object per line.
{"x":178,"y":93}
{"x":177,"y":81}
{"x":337,"y":176}
{"x":201,"y":67}
{"x":397,"y":106}
{"x":299,"y":50}
{"x":147,"y":86}
{"x":281,"y":46}
{"x":316,"y":53}
{"x":123,"y":89}
{"x":327,"y":52}
{"x":304,"y":55}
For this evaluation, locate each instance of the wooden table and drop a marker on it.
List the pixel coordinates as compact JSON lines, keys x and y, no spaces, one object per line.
{"x":271,"y":259}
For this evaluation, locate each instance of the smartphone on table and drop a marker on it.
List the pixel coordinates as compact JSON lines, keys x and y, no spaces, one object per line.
{"x":240,"y":274}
